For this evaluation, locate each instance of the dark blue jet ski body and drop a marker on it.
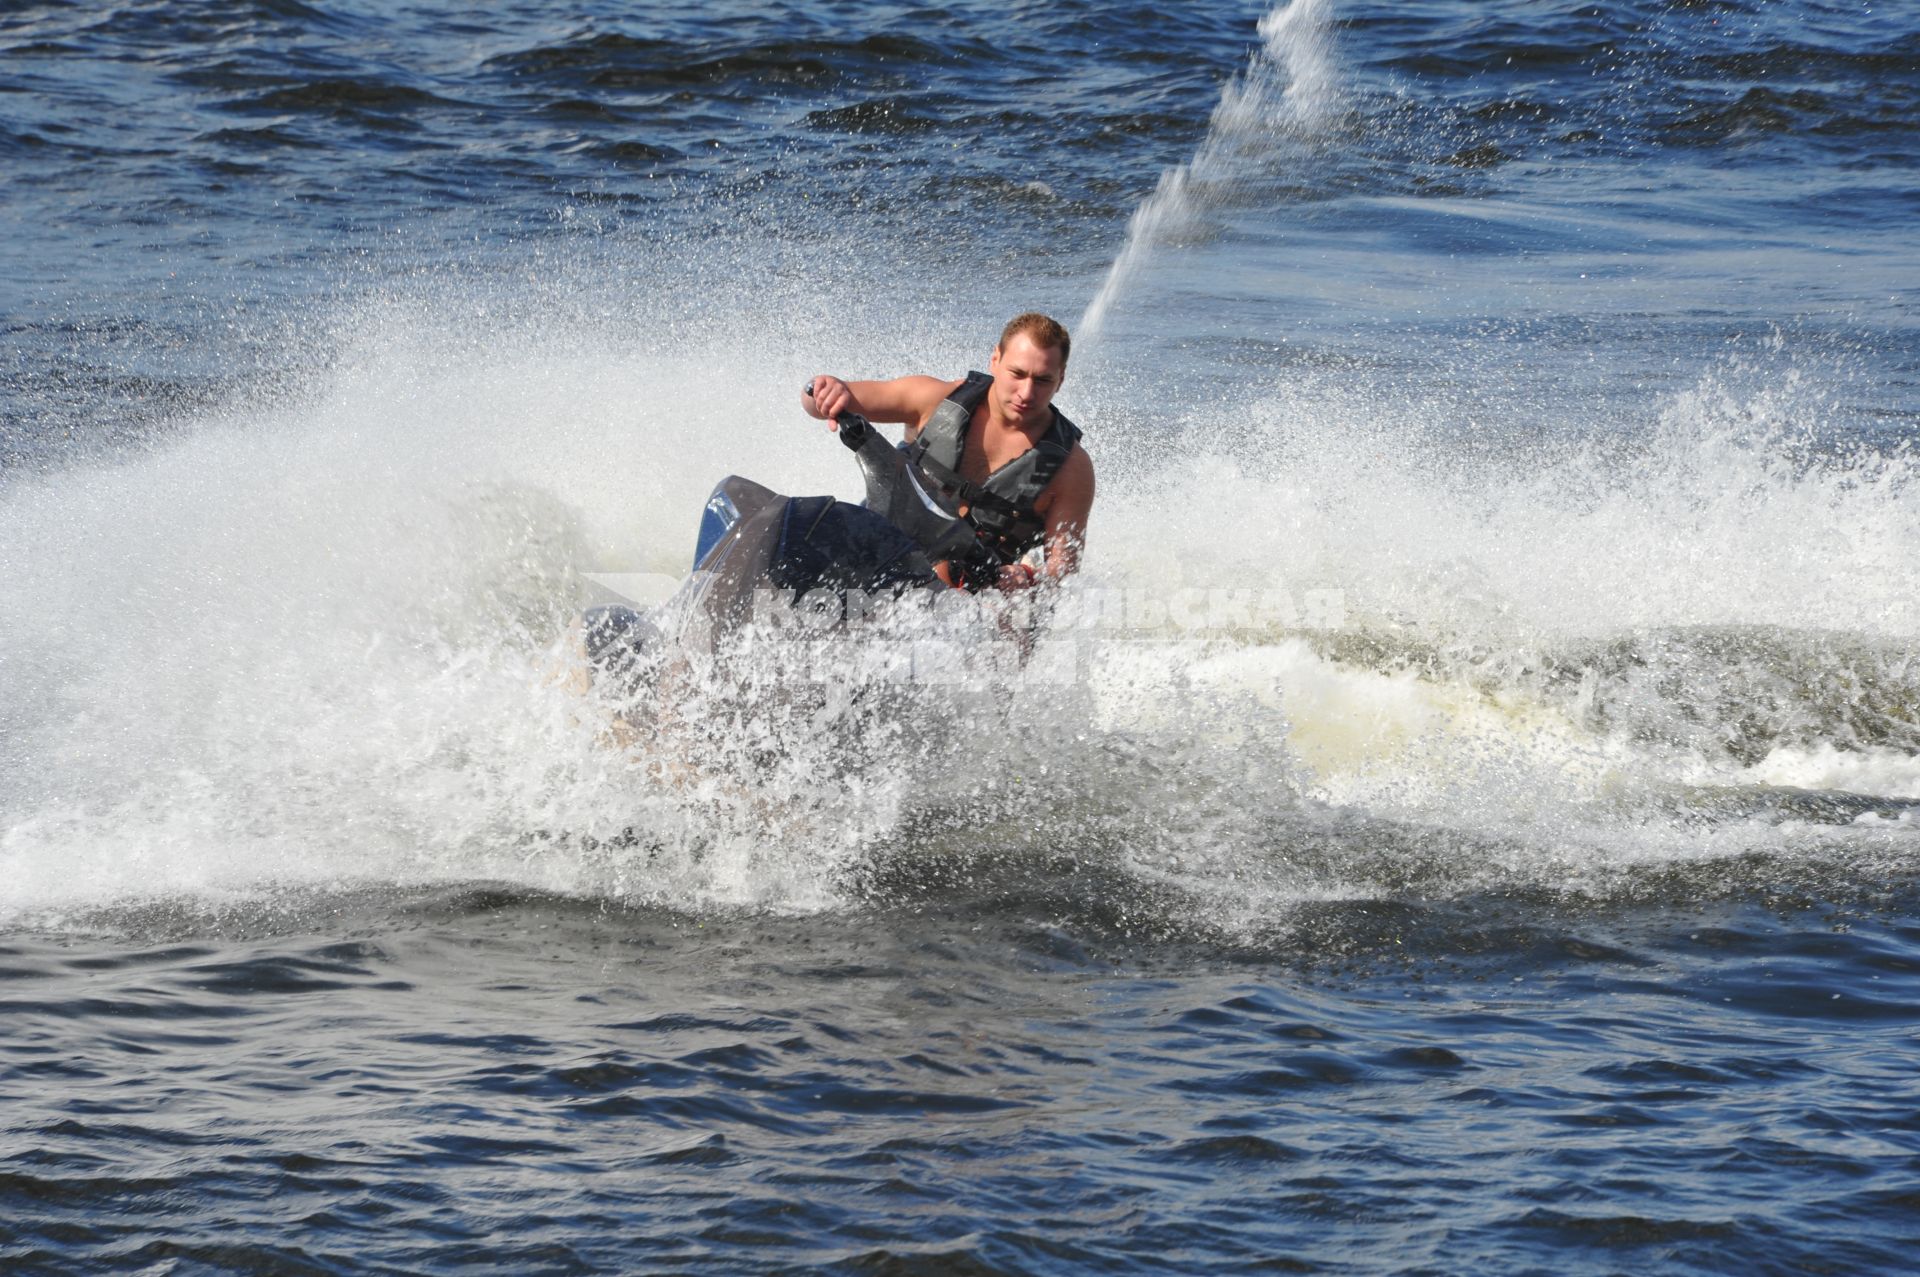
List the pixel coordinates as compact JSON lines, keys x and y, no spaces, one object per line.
{"x":757,"y":547}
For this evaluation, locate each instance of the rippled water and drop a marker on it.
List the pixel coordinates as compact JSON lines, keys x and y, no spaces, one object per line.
{"x":1516,"y":874}
{"x":982,"y":1078}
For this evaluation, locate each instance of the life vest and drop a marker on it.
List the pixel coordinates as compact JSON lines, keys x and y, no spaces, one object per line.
{"x":1000,"y":508}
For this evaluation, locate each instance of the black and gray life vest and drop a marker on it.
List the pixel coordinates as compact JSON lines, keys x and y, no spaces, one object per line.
{"x":1000,"y":508}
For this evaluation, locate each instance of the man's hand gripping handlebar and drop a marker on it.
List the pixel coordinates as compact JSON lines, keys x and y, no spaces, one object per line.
{"x":829,"y":399}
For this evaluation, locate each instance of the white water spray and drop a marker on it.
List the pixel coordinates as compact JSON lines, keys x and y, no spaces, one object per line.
{"x":1289,"y":91}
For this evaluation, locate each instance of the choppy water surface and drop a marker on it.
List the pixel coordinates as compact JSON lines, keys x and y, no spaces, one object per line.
{"x":987,"y":1078}
{"x":1477,"y":829}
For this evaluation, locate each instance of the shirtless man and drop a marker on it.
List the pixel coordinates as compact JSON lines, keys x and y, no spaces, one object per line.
{"x":993,"y":447}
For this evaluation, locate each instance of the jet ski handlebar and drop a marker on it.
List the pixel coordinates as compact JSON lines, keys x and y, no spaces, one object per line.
{"x":894,"y":491}
{"x":854,"y":429}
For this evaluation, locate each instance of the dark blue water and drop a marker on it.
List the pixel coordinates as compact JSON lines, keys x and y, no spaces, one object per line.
{"x":1519,"y":874}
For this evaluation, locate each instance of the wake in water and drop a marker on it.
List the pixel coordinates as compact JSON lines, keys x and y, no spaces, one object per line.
{"x":311,"y":642}
{"x":308,"y":651}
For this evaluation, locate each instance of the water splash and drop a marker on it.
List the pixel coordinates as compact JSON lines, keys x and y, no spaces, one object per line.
{"x":1289,"y":92}
{"x":306,"y":644}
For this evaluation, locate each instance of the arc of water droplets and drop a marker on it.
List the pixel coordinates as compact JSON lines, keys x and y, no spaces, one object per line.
{"x":1289,"y":88}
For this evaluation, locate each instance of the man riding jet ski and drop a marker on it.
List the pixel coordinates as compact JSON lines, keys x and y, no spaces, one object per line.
{"x":990,"y":470}
{"x":991,"y":449}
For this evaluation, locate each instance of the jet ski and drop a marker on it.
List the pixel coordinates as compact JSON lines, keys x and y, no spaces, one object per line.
{"x":815,"y":556}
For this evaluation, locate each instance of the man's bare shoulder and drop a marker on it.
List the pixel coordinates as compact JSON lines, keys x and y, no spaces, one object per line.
{"x":1070,"y":495}
{"x":1078,"y":467}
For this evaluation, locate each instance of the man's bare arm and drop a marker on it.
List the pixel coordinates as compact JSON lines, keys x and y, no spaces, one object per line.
{"x":904,"y":399}
{"x":1067,"y":511}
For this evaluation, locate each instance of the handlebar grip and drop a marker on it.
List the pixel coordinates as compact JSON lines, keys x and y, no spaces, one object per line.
{"x":854,"y":429}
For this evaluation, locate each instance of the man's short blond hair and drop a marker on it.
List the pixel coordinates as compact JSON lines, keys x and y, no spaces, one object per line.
{"x":1044,"y":331}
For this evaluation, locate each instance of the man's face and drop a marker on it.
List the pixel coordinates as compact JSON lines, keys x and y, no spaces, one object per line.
{"x":1025,"y":377}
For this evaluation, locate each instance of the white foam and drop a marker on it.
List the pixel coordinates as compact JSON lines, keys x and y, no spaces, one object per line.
{"x":1717,"y":514}
{"x":307,"y":642}
{"x":1886,"y":773}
